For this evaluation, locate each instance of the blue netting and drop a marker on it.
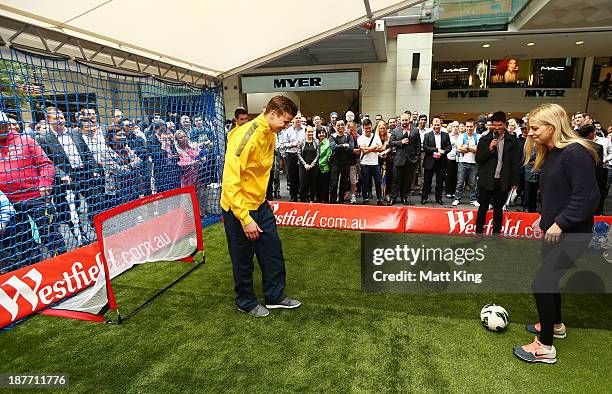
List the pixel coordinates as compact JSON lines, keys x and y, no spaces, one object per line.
{"x":82,"y":140}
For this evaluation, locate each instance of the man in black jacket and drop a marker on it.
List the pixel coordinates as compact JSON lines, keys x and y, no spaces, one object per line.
{"x":75,"y":170}
{"x":436,"y":145}
{"x":407,"y":143}
{"x":498,"y":158}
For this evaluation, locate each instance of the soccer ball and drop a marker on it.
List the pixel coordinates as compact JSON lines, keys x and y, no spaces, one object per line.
{"x":494,"y":317}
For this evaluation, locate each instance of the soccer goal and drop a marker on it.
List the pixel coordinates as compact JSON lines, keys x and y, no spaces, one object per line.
{"x":162,"y":227}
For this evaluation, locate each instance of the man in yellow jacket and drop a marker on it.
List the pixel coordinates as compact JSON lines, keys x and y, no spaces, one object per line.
{"x":250,"y":225}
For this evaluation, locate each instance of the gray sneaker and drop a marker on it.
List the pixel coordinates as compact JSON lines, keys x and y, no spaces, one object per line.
{"x":287,"y":303}
{"x":258,"y":311}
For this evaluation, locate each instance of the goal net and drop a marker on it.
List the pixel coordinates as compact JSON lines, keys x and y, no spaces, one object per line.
{"x":161,"y":227}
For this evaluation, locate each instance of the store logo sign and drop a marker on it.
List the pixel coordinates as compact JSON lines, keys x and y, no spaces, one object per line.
{"x":284,"y":83}
{"x":468,"y":93}
{"x":455,"y":70}
{"x":544,"y":68}
{"x":545,"y":93}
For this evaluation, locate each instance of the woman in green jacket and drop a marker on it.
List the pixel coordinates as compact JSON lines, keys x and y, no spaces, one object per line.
{"x":323,"y":168}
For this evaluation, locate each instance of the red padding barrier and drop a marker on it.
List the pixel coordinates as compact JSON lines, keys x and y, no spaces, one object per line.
{"x":463,"y":222}
{"x":420,"y":220}
{"x":35,"y":287}
{"x":340,"y":217}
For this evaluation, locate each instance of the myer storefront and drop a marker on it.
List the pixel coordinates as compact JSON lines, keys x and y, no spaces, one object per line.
{"x":314,"y":93}
{"x":465,"y":89}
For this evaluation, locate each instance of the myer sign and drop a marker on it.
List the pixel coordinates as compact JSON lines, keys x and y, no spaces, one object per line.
{"x":301,"y":82}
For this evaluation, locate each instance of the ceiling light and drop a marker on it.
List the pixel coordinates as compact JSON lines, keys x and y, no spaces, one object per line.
{"x":486,"y":45}
{"x":530,"y":44}
{"x":579,"y":42}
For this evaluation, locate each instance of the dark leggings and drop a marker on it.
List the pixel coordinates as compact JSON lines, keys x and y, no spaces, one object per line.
{"x":556,"y":260}
{"x":549,"y":311}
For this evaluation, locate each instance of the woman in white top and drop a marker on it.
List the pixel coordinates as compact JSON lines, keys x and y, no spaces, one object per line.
{"x":370,"y":145}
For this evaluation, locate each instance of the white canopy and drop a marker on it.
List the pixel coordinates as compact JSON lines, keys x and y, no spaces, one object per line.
{"x":216,"y":37}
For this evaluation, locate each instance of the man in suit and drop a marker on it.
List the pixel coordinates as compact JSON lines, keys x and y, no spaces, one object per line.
{"x":407,"y":144}
{"x":75,"y":170}
{"x":498,"y":156}
{"x":436,"y":145}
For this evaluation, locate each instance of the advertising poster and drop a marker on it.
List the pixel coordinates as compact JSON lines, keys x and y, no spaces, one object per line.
{"x":509,"y":72}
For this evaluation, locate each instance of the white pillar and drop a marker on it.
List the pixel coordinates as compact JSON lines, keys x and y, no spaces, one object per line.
{"x":231,"y":96}
{"x":413,"y":95}
{"x":378,"y":85}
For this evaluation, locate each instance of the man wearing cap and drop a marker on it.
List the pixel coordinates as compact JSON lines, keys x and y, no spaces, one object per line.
{"x":26,"y":178}
{"x":249,"y":222}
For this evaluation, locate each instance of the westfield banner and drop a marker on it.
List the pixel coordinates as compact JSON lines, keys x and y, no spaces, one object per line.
{"x":340,"y":217}
{"x":404,"y":219}
{"x":463,"y":222}
{"x":35,"y":287}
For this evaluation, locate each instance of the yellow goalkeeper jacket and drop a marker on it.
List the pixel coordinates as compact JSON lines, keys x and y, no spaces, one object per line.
{"x":248,"y":161}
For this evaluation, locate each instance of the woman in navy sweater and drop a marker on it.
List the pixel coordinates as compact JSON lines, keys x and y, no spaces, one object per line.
{"x":570,"y":196}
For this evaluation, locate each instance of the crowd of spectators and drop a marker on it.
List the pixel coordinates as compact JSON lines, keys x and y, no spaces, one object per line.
{"x":345,"y":159}
{"x":56,"y":174}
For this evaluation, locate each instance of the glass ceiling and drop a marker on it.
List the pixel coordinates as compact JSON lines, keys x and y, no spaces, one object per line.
{"x":470,"y":15}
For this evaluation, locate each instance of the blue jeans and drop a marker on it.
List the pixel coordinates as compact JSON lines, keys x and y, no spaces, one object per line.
{"x":367,"y":172}
{"x":467,"y":171}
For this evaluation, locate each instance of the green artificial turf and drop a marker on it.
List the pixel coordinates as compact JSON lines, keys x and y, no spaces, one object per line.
{"x":192,"y":338}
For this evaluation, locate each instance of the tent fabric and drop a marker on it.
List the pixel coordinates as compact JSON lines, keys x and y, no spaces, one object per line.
{"x":217,"y":38}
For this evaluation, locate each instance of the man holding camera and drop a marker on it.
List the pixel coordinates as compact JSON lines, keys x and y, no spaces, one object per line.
{"x":498,"y":159}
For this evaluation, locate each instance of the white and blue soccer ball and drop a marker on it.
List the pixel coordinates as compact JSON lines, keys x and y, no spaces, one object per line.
{"x":494,"y":317}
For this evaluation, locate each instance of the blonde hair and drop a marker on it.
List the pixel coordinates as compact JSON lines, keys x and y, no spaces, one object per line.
{"x":563,"y":135}
{"x":178,"y":147}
